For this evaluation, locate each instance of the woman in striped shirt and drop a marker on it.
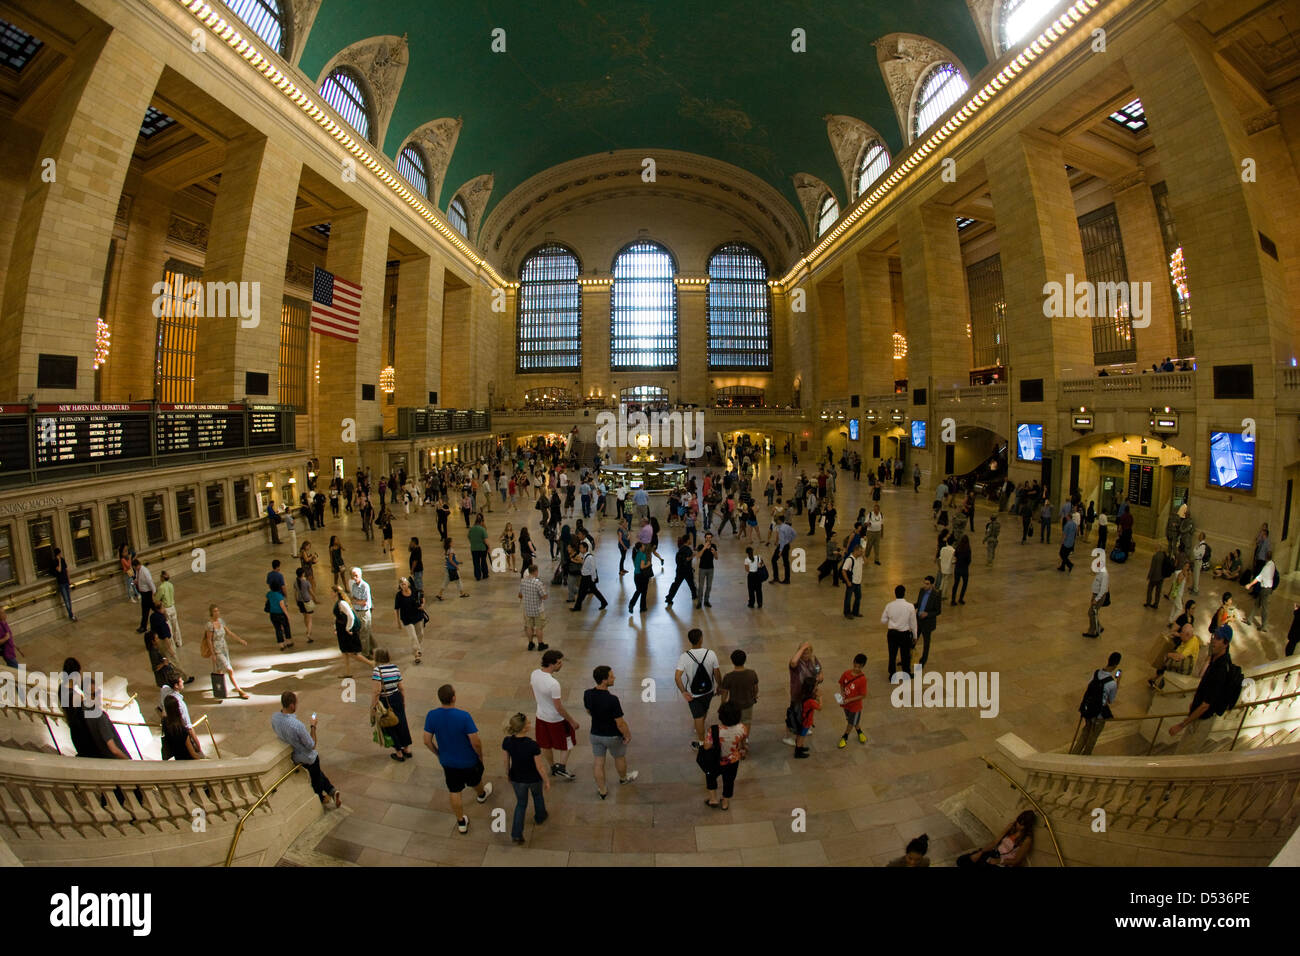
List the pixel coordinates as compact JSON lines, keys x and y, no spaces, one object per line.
{"x":388,"y":687}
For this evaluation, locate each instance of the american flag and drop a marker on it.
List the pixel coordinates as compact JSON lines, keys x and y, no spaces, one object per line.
{"x":335,"y":306}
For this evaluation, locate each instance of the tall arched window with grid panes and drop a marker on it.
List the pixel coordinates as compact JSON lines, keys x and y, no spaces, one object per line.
{"x":643,"y":309}
{"x":269,"y":19}
{"x":739,"y":307}
{"x":549,"y":331}
{"x":344,"y":90}
{"x":1016,"y":18}
{"x":828,"y":212}
{"x":872,"y":164}
{"x":458,"y":216}
{"x":414,"y":168}
{"x":942,"y":86}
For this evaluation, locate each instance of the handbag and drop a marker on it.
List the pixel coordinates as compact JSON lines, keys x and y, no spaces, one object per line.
{"x":762,"y":571}
{"x":219,"y":686}
{"x":1105,"y":599}
{"x":384,"y":715}
{"x":205,"y":646}
{"x":710,"y":759}
{"x":382,"y":738}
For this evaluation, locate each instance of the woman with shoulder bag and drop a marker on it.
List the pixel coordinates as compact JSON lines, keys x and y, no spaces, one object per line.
{"x":389,"y":704}
{"x":347,"y":628}
{"x":179,"y":741}
{"x":305,"y":593}
{"x":214,"y":648}
{"x":720,"y":755}
{"x":755,"y":575}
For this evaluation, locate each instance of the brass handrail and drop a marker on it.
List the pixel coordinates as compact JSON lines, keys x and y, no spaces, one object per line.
{"x":239,"y":827}
{"x":1028,"y":796}
{"x":211,"y":736}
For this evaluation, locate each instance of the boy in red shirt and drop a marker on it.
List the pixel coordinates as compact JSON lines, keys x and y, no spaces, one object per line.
{"x":811,"y":704}
{"x":853,"y":691}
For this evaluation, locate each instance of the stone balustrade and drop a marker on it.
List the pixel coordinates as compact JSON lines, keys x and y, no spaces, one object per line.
{"x":59,"y":810}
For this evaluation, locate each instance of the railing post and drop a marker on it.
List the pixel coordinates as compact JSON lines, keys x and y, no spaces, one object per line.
{"x":54,"y":740}
{"x":1155,"y":736}
{"x":1242,"y":723}
{"x":1077,"y":724}
{"x":131,"y":731}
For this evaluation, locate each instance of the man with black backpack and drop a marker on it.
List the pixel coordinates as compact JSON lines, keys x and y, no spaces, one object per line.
{"x":700,"y":669}
{"x":1095,"y":706}
{"x":1216,"y":694}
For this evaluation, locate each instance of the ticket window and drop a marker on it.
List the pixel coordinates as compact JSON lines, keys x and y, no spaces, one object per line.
{"x":81,"y":528}
{"x":242,"y":488}
{"x":119,"y":526}
{"x":155,"y":524}
{"x":40,"y":532}
{"x":186,"y":520}
{"x":216,"y":496}
{"x":8,"y":569}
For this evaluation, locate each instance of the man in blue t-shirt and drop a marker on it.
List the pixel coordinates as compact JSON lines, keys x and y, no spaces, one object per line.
{"x":450,"y":733}
{"x":1069,"y":535}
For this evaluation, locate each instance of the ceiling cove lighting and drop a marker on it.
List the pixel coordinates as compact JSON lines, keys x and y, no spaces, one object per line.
{"x":226,"y":32}
{"x":1050,"y":36}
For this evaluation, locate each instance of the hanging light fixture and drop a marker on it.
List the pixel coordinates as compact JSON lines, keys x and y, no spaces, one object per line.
{"x":900,"y":345}
{"x":102,"y":343}
{"x":1178,"y":272}
{"x":388,"y":380}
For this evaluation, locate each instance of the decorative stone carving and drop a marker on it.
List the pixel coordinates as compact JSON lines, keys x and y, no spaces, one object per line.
{"x":810,"y":190}
{"x":438,"y":141}
{"x":303,"y":16}
{"x":985,"y":14}
{"x":295,"y":273}
{"x":1261,"y":121}
{"x":188,"y":231}
{"x":849,"y":136}
{"x":903,"y":59}
{"x":1136,"y":178}
{"x":475,"y":194}
{"x":382,"y":62}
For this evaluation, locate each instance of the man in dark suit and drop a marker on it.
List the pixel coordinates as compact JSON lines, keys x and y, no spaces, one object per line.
{"x":929,"y":605}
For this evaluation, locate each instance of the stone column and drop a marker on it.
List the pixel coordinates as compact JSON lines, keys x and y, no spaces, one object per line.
{"x":248,"y":243}
{"x":56,"y":267}
{"x":418,"y":363}
{"x":595,"y":339}
{"x":357,"y":252}
{"x":831,"y":345}
{"x":692,"y":345}
{"x":1144,"y":253}
{"x":129,"y":373}
{"x":869,"y":309}
{"x":934,"y":296}
{"x":457,"y":335}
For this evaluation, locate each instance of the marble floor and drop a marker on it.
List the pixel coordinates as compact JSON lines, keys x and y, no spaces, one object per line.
{"x":859,"y":805}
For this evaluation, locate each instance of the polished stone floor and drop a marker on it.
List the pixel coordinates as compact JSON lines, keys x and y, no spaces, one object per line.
{"x":860,"y":805}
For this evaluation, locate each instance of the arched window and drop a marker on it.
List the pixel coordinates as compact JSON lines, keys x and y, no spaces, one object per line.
{"x":1018,"y":17}
{"x":739,"y":307}
{"x":342,"y":90}
{"x":267,"y":19}
{"x":549,"y":335}
{"x":941,"y":88}
{"x":827,"y":213}
{"x":412,"y":167}
{"x":643,"y":309}
{"x":459,"y":218}
{"x":872,"y":165}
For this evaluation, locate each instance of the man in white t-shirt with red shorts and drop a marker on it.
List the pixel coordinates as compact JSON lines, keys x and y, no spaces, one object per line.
{"x":556,"y":729}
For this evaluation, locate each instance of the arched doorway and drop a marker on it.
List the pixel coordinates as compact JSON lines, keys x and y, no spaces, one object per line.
{"x":1151,"y":475}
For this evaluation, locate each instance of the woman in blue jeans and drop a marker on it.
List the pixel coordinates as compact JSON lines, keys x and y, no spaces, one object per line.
{"x":526,"y":773}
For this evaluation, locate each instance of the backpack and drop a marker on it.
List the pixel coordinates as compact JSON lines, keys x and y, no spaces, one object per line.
{"x":1231,"y":691}
{"x":1093,"y":704}
{"x":702,"y":681}
{"x":1119,"y":555}
{"x":1205,"y":558}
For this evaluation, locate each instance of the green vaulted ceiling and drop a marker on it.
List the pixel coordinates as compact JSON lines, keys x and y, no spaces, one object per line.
{"x":586,"y":76}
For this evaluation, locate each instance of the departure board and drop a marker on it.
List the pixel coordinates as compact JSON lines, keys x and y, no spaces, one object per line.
{"x":190,"y":428}
{"x":265,"y":426}
{"x":90,"y":434}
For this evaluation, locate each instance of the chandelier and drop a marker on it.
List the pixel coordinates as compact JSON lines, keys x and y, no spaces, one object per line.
{"x":102,"y":337}
{"x":388,"y":380}
{"x":1178,"y":273}
{"x":900,"y":345}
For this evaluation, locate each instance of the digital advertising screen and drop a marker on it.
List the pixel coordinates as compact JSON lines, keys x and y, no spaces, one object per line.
{"x":1029,"y":442}
{"x":918,"y":434}
{"x":1232,"y":460}
{"x":853,"y":429}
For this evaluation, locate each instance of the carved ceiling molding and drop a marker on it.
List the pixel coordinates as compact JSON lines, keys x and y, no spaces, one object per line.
{"x":382,"y":63}
{"x":437,"y":140}
{"x":303,"y":15}
{"x":732,"y":184}
{"x":475,"y":195}
{"x":1136,"y":178}
{"x":811,"y":190}
{"x":1261,"y":121}
{"x":904,"y":58}
{"x":187,"y":231}
{"x":849,"y":136}
{"x":985,"y":15}
{"x":526,"y":240}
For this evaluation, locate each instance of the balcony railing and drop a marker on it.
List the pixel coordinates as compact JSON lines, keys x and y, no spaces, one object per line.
{"x":984,"y":394}
{"x":1162,"y":384}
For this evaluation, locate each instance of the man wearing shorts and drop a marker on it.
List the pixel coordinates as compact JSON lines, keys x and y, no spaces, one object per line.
{"x":450,"y":733}
{"x":532,"y":591}
{"x":698,"y":697}
{"x":609,"y":732}
{"x":555,"y":728}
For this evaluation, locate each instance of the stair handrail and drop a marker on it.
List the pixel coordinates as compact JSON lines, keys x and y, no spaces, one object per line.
{"x":57,"y":715}
{"x":1243,"y":706}
{"x":1030,"y":797}
{"x":239,"y":827}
